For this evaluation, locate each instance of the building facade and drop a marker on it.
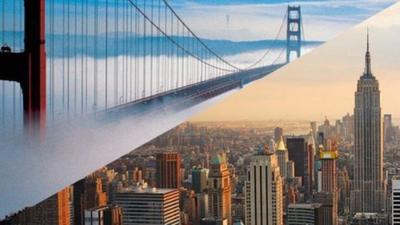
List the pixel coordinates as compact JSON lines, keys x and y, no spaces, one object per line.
{"x":368,"y":187}
{"x":264,"y":191}
{"x":283,"y":157}
{"x":396,"y":200}
{"x":305,"y":214}
{"x":143,"y":205}
{"x":168,"y":166}
{"x":199,"y":179}
{"x":328,"y":194}
{"x":105,"y":215}
{"x":219,"y":189}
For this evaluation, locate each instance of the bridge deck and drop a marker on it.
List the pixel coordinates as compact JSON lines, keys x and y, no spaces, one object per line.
{"x":194,"y":93}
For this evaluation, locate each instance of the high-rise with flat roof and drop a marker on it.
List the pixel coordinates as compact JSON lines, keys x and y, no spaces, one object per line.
{"x":168,"y":166}
{"x":301,"y":153}
{"x":142,"y":205}
{"x":305,"y":214}
{"x":264,"y":191}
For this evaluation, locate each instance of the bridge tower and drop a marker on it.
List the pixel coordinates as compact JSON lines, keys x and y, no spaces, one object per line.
{"x":293,"y":32}
{"x":28,"y":68}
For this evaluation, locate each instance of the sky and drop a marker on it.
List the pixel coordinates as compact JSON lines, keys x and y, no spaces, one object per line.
{"x":253,"y":20}
{"x":322,"y":83}
{"x":238,"y":20}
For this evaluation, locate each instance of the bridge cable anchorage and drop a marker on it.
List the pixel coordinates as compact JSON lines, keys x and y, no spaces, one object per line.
{"x":171,"y":39}
{"x":274,"y":42}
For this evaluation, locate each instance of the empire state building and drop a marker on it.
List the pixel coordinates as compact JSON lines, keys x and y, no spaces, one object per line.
{"x":368,"y":187}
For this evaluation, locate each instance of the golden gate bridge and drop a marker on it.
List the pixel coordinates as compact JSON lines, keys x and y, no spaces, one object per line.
{"x":72,"y":57}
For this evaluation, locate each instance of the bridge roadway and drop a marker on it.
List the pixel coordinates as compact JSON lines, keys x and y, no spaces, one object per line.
{"x":71,"y":149}
{"x":190,"y":95}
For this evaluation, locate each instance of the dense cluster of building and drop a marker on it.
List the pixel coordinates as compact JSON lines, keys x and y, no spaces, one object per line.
{"x":222,"y":174}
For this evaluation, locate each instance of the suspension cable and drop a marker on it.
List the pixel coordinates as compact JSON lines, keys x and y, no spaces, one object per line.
{"x":172,"y":39}
{"x":274,"y":42}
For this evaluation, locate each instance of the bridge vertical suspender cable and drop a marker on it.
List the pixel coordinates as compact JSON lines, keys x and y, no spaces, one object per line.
{"x":144,"y":51}
{"x":106,"y":59}
{"x":86,"y":54}
{"x":159,"y":50}
{"x":95,"y":65}
{"x":75,"y":55}
{"x":68,"y":55}
{"x":126,"y":97}
{"x":52,"y":56}
{"x":151,"y":48}
{"x":166,"y":52}
{"x":20,"y":24}
{"x":82,"y":55}
{"x":137,"y":82}
{"x":3,"y":41}
{"x":14,"y":22}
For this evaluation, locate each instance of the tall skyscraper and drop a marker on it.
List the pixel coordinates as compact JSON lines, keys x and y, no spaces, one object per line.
{"x":168,"y":170}
{"x":301,"y":153}
{"x":264,"y":194}
{"x":297,"y":151}
{"x":219,"y":189}
{"x":328,"y":193}
{"x":368,"y":186}
{"x":143,"y":205}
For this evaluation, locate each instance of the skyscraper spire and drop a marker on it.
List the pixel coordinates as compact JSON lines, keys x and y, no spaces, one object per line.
{"x":368,"y":192}
{"x":367,"y":39}
{"x":367,"y":70}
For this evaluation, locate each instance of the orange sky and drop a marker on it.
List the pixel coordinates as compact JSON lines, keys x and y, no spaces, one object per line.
{"x":323,"y":82}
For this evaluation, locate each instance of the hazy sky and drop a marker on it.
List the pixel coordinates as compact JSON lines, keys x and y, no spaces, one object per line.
{"x":323,"y":82}
{"x":236,"y":19}
{"x":260,"y":19}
